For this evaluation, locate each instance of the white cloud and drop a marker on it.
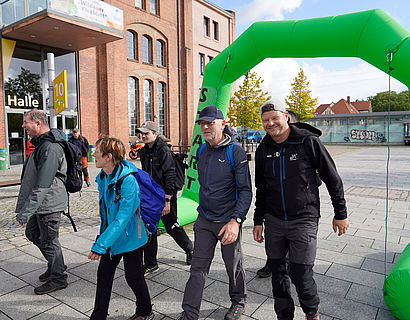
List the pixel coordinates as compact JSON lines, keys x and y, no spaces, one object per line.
{"x":359,"y":81}
{"x":258,"y":10}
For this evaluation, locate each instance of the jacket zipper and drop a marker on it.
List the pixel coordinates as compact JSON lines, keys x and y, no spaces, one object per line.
{"x":281,"y":178}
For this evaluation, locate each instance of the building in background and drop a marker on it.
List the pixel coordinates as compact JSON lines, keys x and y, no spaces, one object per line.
{"x":345,"y":106}
{"x":127,"y":62}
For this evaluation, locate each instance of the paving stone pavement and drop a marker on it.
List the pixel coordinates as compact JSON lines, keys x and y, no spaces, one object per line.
{"x":349,"y":270}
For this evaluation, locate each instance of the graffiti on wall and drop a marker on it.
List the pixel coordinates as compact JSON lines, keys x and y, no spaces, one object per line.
{"x":366,"y":135}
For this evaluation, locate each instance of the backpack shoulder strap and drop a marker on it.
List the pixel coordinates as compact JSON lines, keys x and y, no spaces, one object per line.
{"x":118,"y":185}
{"x":229,"y":153}
{"x":201,"y":148}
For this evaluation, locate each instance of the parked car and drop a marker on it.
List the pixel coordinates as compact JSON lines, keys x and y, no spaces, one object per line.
{"x":253,"y":137}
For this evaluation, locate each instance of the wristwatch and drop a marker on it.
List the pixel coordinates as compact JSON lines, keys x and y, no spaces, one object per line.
{"x":167,"y":199}
{"x":237,"y":219}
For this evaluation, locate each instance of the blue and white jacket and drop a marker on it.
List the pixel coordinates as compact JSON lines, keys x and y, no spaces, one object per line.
{"x":122,"y":229}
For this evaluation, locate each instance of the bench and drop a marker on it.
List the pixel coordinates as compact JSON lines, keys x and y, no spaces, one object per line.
{"x":10,"y":183}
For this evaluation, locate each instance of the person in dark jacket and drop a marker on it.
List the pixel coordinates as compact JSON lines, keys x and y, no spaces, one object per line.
{"x":157,"y":160}
{"x":287,"y":204}
{"x":43,"y":198}
{"x":225,"y":195}
{"x":122,"y":234}
{"x":265,"y":271}
{"x":82,"y":144}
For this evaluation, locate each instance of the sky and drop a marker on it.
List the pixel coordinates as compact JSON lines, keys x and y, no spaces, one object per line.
{"x":330,"y":78}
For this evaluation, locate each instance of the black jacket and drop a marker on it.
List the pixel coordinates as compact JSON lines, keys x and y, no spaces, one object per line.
{"x":159,"y":163}
{"x":85,"y":146}
{"x":224,"y":193}
{"x":285,"y":176}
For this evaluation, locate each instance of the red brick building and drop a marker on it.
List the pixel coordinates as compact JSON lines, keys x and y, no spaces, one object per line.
{"x":151,"y":70}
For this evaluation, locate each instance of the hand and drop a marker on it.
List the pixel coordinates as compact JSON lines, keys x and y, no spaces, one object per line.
{"x":94,"y":256}
{"x":258,"y":233}
{"x":166,"y":209}
{"x":342,"y":225}
{"x":229,"y":232}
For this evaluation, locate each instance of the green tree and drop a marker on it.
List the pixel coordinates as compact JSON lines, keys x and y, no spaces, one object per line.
{"x":26,"y":83}
{"x":300,"y":100}
{"x":398,"y":101}
{"x":247,"y":100}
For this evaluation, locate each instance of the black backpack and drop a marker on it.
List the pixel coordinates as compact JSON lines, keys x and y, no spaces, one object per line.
{"x":180,"y":167}
{"x":74,"y":176}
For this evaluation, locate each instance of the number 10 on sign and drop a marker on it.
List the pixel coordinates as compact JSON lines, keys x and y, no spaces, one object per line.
{"x":60,"y":92}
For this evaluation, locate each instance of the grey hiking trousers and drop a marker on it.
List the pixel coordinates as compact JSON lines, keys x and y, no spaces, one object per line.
{"x":43,"y":231}
{"x":206,"y":239}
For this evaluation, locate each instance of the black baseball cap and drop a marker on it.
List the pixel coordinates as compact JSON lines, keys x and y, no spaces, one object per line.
{"x":210,"y":113}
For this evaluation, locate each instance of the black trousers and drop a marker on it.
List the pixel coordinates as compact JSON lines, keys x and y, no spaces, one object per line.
{"x":173,"y":228}
{"x":134,"y":275}
{"x":297,"y":238}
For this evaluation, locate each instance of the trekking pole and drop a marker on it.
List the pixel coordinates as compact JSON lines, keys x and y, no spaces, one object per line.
{"x":68,"y":214}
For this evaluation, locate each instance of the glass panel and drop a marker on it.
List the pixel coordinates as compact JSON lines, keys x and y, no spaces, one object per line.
{"x":201,"y":63}
{"x":153,"y":8}
{"x":37,"y":6}
{"x":206,"y":26}
{"x":65,"y":62}
{"x":133,"y":106}
{"x":16,"y":138}
{"x":131,"y":45}
{"x":216,"y":30}
{"x":71,"y":122}
{"x":12,"y":11}
{"x":146,"y":49}
{"x":160,"y":53}
{"x":148,"y":100}
{"x":140,"y":4}
{"x":161,"y":108}
{"x":22,"y":85}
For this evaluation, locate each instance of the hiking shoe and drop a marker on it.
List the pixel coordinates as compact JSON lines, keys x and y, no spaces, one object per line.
{"x":182,"y":316}
{"x":50,"y":286}
{"x":88,"y":183}
{"x":138,"y":317}
{"x":312,"y":317}
{"x":149,"y":270}
{"x":44,"y":276}
{"x":264,"y":272}
{"x":235,"y":312}
{"x":189,"y":257}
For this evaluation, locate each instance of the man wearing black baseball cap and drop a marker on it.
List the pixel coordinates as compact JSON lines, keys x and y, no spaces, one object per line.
{"x":225,"y":195}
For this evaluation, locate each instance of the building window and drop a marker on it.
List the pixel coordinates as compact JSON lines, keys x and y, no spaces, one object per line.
{"x":146,"y":49}
{"x":153,"y":6}
{"x":160,"y":53}
{"x":210,"y":58}
{"x":131,"y":45}
{"x":206,"y":26}
{"x":140,"y":4}
{"x":215,"y":26}
{"x":162,"y":109}
{"x":133,"y":105}
{"x":148,"y":100}
{"x":201,"y":63}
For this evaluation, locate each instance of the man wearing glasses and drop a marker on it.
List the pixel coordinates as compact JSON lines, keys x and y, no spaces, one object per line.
{"x":225,"y":195}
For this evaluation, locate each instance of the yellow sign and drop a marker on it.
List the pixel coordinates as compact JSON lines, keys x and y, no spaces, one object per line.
{"x":8,"y":49}
{"x":60,"y":92}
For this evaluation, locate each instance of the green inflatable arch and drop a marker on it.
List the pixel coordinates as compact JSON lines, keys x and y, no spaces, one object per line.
{"x":370,"y":35}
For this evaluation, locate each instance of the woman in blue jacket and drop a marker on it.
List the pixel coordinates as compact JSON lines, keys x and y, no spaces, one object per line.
{"x":122,"y":232}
